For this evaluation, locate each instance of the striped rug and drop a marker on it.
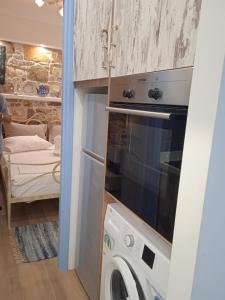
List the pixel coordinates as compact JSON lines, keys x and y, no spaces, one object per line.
{"x":37,"y":241}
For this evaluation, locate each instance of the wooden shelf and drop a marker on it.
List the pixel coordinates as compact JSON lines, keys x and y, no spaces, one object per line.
{"x":32,"y":98}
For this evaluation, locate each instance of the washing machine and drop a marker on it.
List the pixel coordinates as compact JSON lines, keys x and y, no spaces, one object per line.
{"x":136,"y":261}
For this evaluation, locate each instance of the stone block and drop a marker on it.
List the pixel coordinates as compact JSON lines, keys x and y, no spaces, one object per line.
{"x":21,"y":73}
{"x":57,"y":74}
{"x":7,"y":88}
{"x":17,"y":84}
{"x":57,"y":57}
{"x":52,"y":66}
{"x":37,"y":54}
{"x":55,"y":89}
{"x":18,"y":47}
{"x":18,"y":55}
{"x":10,"y":72}
{"x":38,"y":73}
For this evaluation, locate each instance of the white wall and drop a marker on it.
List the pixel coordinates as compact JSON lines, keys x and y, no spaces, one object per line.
{"x":23,"y":21}
{"x":198,"y":253}
{"x":209,"y":279}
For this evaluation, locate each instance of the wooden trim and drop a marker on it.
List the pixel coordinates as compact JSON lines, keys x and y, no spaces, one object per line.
{"x":104,"y":203}
{"x":33,"y":198}
{"x":101,"y":82}
{"x":32,"y":98}
{"x":108,"y":198}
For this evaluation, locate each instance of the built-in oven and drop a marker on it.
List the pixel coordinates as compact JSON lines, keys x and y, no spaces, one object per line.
{"x":147,"y":121}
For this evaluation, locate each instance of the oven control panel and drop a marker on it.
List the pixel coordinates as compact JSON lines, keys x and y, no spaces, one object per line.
{"x":171,"y":87}
{"x":128,"y":93}
{"x":155,"y":93}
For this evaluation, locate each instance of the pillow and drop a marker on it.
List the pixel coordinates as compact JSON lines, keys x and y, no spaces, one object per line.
{"x":54,"y":130}
{"x":16,"y":144}
{"x":16,"y":129}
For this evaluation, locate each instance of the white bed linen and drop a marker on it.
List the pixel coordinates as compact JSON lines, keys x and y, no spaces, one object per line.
{"x":20,"y":174}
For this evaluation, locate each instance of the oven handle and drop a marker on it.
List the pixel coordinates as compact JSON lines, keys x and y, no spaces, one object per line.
{"x":143,"y":113}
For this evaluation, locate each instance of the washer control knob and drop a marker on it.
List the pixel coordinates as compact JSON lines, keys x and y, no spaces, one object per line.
{"x":128,"y":93}
{"x":108,"y":241}
{"x":129,"y":240}
{"x":155,"y":93}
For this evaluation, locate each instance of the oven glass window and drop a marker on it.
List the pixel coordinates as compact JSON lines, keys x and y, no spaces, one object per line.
{"x":143,"y":163}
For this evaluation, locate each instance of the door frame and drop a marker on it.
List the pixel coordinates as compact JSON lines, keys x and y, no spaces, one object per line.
{"x":67,"y":135}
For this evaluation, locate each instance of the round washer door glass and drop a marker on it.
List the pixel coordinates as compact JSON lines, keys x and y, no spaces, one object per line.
{"x":118,"y":287}
{"x":123,"y":282}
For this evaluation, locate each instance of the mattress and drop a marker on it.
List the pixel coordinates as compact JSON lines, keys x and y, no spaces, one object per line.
{"x":33,"y":180}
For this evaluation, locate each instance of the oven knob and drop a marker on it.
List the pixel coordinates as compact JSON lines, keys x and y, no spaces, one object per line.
{"x":128,"y":94}
{"x":155,"y":94}
{"x":129,"y":240}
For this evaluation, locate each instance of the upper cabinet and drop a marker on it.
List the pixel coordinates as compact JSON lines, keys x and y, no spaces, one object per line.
{"x":144,"y":36}
{"x":154,"y":35}
{"x":92,"y":27}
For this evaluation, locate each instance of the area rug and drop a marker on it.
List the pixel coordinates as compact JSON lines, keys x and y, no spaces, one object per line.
{"x":36,"y":242}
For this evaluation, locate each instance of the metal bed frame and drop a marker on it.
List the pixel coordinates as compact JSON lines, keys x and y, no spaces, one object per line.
{"x":6,"y":164}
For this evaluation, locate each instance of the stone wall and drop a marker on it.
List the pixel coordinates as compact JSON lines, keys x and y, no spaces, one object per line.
{"x":22,"y":110}
{"x":29,"y":66}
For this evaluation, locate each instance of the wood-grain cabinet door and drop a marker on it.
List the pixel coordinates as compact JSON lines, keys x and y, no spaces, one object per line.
{"x":154,"y":35}
{"x":92,"y":23}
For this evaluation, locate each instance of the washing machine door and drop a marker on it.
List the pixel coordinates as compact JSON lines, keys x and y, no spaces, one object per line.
{"x":121,"y":283}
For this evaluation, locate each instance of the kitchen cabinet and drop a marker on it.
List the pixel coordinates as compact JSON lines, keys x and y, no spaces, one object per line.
{"x":92,"y":27}
{"x":143,"y":36}
{"x":154,"y":35}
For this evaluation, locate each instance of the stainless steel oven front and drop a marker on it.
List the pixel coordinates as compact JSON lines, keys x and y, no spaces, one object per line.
{"x":147,"y":121}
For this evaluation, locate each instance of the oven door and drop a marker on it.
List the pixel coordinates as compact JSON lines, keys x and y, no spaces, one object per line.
{"x":144,"y":154}
{"x":120,"y":282}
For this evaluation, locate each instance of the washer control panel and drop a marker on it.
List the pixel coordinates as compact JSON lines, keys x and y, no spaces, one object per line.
{"x":129,"y":240}
{"x":108,"y":241}
{"x":148,"y":256}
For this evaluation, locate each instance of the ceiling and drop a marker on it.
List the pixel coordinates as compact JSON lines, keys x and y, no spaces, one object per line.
{"x":23,"y":21}
{"x":29,"y":10}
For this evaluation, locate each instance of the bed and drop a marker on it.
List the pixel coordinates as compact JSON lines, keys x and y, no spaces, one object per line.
{"x":32,"y":173}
